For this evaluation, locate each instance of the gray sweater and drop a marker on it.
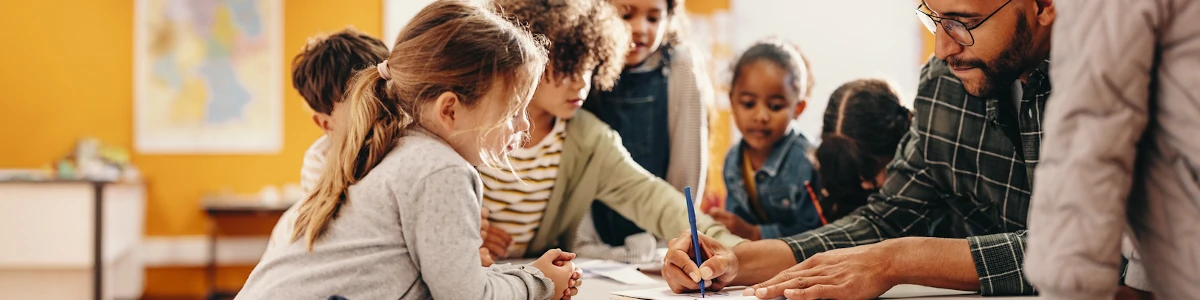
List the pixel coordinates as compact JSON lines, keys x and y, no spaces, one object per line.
{"x":408,"y":230}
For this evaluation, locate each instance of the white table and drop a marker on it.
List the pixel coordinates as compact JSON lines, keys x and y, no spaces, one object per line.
{"x":600,"y":289}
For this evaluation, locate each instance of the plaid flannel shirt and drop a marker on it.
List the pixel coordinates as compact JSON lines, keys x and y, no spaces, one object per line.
{"x":957,"y":173}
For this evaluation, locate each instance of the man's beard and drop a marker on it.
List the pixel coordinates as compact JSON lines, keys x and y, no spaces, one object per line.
{"x":1006,"y":68}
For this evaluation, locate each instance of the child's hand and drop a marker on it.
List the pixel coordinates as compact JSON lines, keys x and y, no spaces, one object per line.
{"x":736,"y":224}
{"x":485,"y":257}
{"x":574,"y":283}
{"x":484,"y":224}
{"x":494,"y":239}
{"x":557,"y":266}
{"x":497,"y":242}
{"x":576,"y":278}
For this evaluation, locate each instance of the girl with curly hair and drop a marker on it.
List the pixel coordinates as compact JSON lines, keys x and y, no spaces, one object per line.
{"x":573,"y":159}
{"x":658,"y":106}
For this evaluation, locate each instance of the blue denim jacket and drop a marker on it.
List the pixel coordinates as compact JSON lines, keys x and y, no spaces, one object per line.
{"x":780,"y":184}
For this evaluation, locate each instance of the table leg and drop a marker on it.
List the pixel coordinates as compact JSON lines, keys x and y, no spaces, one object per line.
{"x":211,"y":268}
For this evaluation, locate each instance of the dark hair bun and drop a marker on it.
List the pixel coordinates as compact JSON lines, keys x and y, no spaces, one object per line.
{"x":863,"y":125}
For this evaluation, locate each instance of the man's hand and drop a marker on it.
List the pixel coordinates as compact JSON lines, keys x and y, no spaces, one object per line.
{"x":681,"y":273}
{"x":736,"y":224}
{"x":862,"y":272}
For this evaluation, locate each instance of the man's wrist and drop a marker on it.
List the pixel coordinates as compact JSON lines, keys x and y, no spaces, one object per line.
{"x":733,"y":252}
{"x":936,"y":262}
{"x":898,"y":259}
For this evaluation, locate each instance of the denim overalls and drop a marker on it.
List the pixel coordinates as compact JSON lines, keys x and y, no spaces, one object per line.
{"x":637,"y":109}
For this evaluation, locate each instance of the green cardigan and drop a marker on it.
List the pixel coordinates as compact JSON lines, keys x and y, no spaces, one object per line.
{"x":595,"y":166}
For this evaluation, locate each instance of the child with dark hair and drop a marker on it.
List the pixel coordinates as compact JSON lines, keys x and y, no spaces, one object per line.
{"x":320,"y":73}
{"x":766,"y":171}
{"x":863,"y":124}
{"x":658,"y":107}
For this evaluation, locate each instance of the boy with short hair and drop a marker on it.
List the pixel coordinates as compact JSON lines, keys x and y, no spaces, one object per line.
{"x":320,"y":73}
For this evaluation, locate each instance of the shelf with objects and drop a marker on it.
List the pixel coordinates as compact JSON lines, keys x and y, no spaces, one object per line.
{"x":74,"y":228}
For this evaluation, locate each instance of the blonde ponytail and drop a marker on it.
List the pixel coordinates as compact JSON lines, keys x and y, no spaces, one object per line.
{"x":451,"y":46}
{"x":371,"y":129}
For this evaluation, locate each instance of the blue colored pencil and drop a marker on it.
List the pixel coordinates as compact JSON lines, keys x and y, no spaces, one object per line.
{"x":691,"y":208}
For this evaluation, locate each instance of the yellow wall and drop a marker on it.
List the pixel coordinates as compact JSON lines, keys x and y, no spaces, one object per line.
{"x":66,"y":71}
{"x":69,"y":74}
{"x":929,"y":43}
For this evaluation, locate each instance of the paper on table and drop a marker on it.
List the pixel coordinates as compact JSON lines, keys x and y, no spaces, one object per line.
{"x":656,"y":265}
{"x":729,"y":293}
{"x":911,"y":291}
{"x":623,"y":273}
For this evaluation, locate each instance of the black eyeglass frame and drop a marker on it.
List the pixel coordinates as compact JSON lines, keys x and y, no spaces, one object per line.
{"x":946,"y":23}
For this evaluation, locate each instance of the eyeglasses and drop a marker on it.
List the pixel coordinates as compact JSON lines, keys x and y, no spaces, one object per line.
{"x":954,"y":28}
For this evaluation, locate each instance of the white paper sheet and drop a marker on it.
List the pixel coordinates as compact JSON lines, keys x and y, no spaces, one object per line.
{"x":729,"y":293}
{"x":623,"y":273}
{"x":912,"y":291}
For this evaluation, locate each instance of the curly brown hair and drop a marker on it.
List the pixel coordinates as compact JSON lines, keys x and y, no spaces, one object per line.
{"x":583,"y":35}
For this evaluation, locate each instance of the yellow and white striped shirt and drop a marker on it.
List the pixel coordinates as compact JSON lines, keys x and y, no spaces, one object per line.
{"x":515,"y":206}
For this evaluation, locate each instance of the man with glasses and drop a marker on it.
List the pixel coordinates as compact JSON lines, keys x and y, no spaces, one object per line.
{"x":964,"y":170}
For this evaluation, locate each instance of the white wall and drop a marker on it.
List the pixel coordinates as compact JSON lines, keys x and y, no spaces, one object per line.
{"x":396,"y":14}
{"x":843,"y":39}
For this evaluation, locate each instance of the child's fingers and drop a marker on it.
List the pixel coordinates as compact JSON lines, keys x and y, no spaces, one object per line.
{"x":496,"y":249}
{"x":552,"y":254}
{"x":485,"y":257}
{"x":714,"y":210}
{"x":569,"y":256}
{"x":563,"y":256}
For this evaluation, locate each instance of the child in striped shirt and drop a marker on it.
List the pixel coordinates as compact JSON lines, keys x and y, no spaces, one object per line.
{"x":573,"y":159}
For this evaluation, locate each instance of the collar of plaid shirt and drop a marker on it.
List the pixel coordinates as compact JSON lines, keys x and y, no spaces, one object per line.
{"x":985,"y":148}
{"x":1023,"y":124}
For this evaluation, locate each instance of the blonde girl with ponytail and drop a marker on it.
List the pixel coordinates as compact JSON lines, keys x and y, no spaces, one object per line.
{"x":396,"y":213}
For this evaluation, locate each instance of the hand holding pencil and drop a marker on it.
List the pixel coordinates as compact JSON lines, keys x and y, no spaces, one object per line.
{"x":685,"y":266}
{"x":681,"y":273}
